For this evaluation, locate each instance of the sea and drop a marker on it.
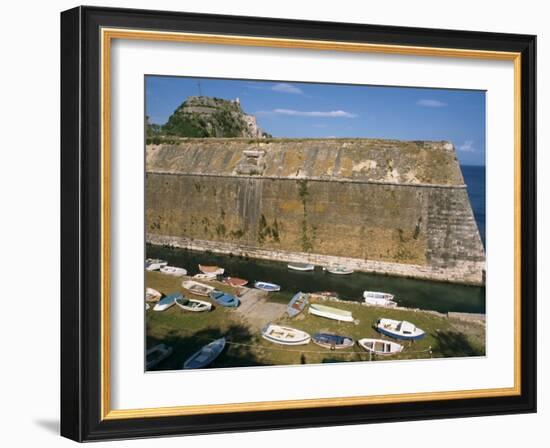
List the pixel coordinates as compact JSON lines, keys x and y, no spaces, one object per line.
{"x":410,"y":293}
{"x":474,"y":177}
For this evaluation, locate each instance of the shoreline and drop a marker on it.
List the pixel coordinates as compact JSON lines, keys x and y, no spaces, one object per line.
{"x":384,"y":268}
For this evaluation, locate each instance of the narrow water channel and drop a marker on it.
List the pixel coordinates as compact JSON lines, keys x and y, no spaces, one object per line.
{"x":428,"y":295}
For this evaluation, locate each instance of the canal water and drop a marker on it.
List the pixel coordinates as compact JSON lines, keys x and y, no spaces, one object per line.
{"x":438,"y":296}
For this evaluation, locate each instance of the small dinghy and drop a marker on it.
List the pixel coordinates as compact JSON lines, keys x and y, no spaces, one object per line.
{"x":398,"y":329}
{"x":338,"y":270}
{"x":380,"y":346}
{"x":379,"y":298}
{"x":212,"y":270}
{"x":234,"y":281}
{"x":224,"y":299}
{"x":152,"y":295}
{"x":332,"y":341}
{"x":206,"y":355}
{"x":156,"y":355}
{"x":154,"y":264}
{"x":330,"y":313}
{"x":265,"y":286}
{"x":297,"y":304}
{"x":285,"y":335}
{"x":204,"y":276}
{"x":173,"y":270}
{"x":193,"y":304}
{"x":304,"y":267}
{"x":199,"y":289}
{"x":167,"y":302}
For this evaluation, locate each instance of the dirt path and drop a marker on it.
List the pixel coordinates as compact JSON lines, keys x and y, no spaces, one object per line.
{"x":257,"y":310}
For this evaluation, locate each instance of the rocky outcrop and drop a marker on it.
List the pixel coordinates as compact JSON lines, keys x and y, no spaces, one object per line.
{"x":201,"y":116}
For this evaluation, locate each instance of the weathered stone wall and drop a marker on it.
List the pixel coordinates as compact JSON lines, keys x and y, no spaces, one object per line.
{"x":384,"y":206}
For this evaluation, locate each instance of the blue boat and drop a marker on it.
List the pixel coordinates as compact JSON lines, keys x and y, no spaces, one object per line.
{"x":167,"y":302}
{"x":206,"y":355}
{"x":266,"y":286}
{"x":333,"y":341}
{"x":224,"y":298}
{"x":399,"y":329}
{"x":296,"y":304}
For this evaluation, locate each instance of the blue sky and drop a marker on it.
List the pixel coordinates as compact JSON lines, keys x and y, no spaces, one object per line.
{"x":292,"y":109}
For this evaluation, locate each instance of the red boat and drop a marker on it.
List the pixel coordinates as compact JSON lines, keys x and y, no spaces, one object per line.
{"x":235,"y":281}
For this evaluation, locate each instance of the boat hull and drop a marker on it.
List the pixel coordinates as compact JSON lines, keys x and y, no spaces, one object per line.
{"x":296,"y":304}
{"x":380,"y":346}
{"x":329,"y":314}
{"x":396,"y":335}
{"x":206,"y":355}
{"x":277,"y":334}
{"x":333,"y":342}
{"x":301,"y":268}
{"x":268,"y":287}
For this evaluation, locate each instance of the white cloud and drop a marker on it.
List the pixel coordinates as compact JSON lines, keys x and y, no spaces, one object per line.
{"x":430,"y":103}
{"x":287,"y":88}
{"x":467,"y":146}
{"x":315,"y":113}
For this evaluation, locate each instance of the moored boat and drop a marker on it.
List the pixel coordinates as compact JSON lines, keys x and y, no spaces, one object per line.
{"x":379,"y":298}
{"x":398,"y":329}
{"x":199,"y":289}
{"x":330,"y":312}
{"x":380,"y":346}
{"x":338,"y":270}
{"x":154,"y":264}
{"x":224,"y":299}
{"x":213,"y":270}
{"x":202,"y":276}
{"x":206,"y":355}
{"x":332,"y":294}
{"x":166,"y":302}
{"x":193,"y":304}
{"x":304,"y":267}
{"x":297,"y":304}
{"x":156,"y":354}
{"x":173,"y":270}
{"x":285,"y":335}
{"x":266,"y":286}
{"x":235,"y":281}
{"x":332,"y":341}
{"x":152,"y":295}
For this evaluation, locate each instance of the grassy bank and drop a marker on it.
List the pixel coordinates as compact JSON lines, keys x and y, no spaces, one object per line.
{"x":186,"y":332}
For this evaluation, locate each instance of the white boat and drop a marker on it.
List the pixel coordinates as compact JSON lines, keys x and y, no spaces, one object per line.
{"x":152,"y":295}
{"x":147,"y":306}
{"x":206,"y":355}
{"x":379,"y":298}
{"x":330,"y":313}
{"x":199,"y":289}
{"x":399,"y":329}
{"x":304,"y":267}
{"x":193,"y":304}
{"x":156,"y":354}
{"x":380,"y":346}
{"x":166,"y":302}
{"x":266,"y":286}
{"x":338,"y":270}
{"x":212,"y":270}
{"x":285,"y":335}
{"x":173,"y":270}
{"x":205,"y":276}
{"x":154,"y":264}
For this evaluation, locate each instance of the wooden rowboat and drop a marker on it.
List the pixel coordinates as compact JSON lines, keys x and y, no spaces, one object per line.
{"x":301,"y":267}
{"x":297,"y":304}
{"x":206,"y":355}
{"x":399,"y":329}
{"x":235,"y":281}
{"x":285,"y":335}
{"x":156,"y":355}
{"x":212,"y":270}
{"x":199,"y":289}
{"x":332,"y":341}
{"x":330,"y":313}
{"x":193,"y":304}
{"x":380,"y":346}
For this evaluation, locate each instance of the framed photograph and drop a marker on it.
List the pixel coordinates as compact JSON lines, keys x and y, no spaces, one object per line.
{"x":277,"y":224}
